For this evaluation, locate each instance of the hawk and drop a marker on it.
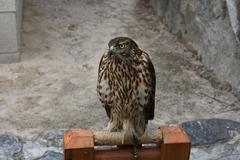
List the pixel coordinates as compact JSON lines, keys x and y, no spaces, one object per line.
{"x":126,"y":87}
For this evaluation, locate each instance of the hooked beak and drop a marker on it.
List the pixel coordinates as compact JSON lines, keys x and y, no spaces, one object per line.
{"x":110,"y":51}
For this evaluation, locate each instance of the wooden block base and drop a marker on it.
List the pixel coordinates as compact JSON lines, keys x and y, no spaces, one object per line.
{"x":79,"y":145}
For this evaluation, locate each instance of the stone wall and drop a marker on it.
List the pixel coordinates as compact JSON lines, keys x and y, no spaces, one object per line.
{"x":211,"y":28}
{"x":10,"y":30}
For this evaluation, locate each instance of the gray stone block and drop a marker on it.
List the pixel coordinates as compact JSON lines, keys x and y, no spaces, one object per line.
{"x":19,"y":8}
{"x":10,"y":30}
{"x":8,"y":33}
{"x":9,"y":57}
{"x":7,"y":5}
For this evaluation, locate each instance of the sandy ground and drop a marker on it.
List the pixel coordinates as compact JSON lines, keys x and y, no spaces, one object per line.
{"x":54,"y":86}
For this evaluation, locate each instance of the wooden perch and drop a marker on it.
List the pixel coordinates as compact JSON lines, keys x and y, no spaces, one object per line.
{"x":173,"y":144}
{"x":118,"y":138}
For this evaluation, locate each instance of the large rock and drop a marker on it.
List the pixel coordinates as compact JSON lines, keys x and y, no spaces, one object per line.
{"x":53,"y":138}
{"x":209,"y":131}
{"x":50,"y":155}
{"x":214,"y":139}
{"x":10,"y":147}
{"x":46,"y":145}
{"x":33,"y":150}
{"x":220,"y":151}
{"x":209,"y":27}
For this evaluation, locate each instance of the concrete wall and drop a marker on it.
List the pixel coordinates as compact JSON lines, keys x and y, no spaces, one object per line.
{"x":10,"y":30}
{"x":209,"y":27}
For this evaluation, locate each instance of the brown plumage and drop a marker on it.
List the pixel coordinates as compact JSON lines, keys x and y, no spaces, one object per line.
{"x":126,"y":86}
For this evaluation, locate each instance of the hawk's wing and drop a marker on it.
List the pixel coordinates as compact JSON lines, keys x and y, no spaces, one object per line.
{"x":105,"y":105}
{"x":99,"y":67}
{"x":151,"y":103}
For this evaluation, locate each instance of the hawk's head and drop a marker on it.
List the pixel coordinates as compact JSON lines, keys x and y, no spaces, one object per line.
{"x":122,"y":47}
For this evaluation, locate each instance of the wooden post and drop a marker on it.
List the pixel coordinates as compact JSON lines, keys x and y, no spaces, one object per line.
{"x":176,"y":144}
{"x":79,"y":145}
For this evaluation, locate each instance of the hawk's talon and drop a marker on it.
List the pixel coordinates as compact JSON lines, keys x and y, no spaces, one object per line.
{"x":135,"y":154}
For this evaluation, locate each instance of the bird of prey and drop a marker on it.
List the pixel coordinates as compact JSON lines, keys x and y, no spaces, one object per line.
{"x":126,"y":87}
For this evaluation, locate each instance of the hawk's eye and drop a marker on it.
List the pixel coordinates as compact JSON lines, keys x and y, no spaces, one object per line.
{"x":121,"y":45}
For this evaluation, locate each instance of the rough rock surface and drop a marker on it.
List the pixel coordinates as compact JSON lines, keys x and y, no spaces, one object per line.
{"x":10,"y":147}
{"x":45,"y":145}
{"x":33,"y":150}
{"x":209,"y":27}
{"x":212,"y":139}
{"x":50,"y":155}
{"x":229,"y":150}
{"x":202,"y":132}
{"x":51,"y":138}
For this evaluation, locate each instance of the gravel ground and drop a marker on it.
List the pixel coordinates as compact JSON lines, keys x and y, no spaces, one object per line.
{"x":54,"y":86}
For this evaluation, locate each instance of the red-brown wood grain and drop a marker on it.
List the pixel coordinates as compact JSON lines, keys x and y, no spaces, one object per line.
{"x":79,"y":145}
{"x":145,"y":153}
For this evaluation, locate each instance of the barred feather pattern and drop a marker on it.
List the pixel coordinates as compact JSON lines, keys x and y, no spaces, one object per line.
{"x":126,"y":89}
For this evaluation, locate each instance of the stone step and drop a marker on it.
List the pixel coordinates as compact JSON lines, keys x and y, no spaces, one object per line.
{"x":10,"y":30}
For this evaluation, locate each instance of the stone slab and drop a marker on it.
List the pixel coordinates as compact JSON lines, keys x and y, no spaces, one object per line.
{"x":10,"y":30}
{"x":8,"y":33}
{"x":9,"y":57}
{"x":19,"y":9}
{"x":7,"y":5}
